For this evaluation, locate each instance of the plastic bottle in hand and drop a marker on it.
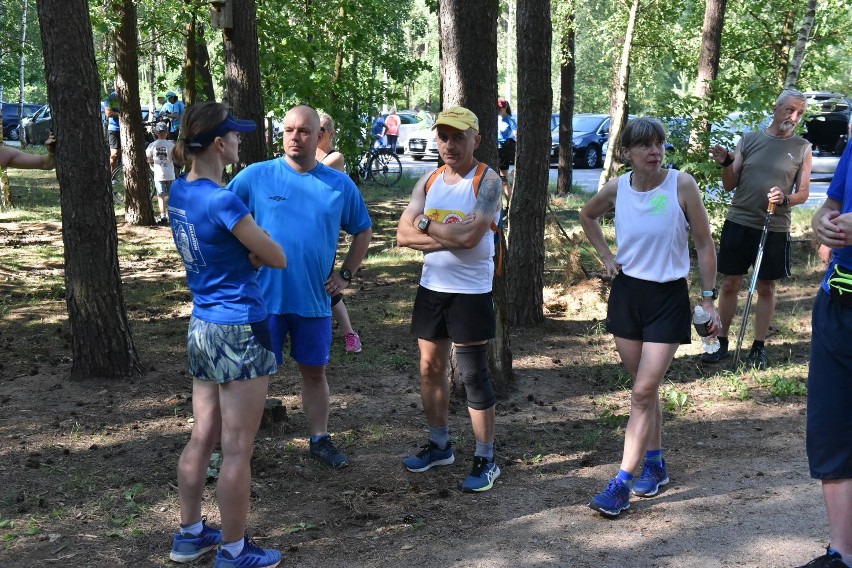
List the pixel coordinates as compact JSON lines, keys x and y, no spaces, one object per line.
{"x":701,"y":322}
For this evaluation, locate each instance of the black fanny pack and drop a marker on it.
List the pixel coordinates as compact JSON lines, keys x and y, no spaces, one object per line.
{"x":840,"y":286}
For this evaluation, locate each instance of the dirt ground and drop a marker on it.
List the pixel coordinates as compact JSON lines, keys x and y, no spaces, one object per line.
{"x":87,"y":470}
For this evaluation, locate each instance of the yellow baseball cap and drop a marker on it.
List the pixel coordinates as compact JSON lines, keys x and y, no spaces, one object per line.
{"x":459,"y":118}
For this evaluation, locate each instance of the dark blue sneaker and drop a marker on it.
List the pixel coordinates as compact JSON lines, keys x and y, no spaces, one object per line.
{"x":187,"y":548}
{"x":482,"y":475}
{"x":325,"y":451}
{"x":252,"y":556}
{"x":612,"y":500}
{"x":654,"y":475}
{"x":831,"y":559}
{"x":430,"y":456}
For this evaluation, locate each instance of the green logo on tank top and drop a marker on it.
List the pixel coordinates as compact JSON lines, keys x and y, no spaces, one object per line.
{"x":659,"y":204}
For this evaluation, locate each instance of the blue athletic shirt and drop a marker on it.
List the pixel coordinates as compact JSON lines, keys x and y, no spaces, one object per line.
{"x":840,"y":189}
{"x":178,"y":107}
{"x":221,"y":278}
{"x":506,"y":126}
{"x":112,"y":102}
{"x":304,"y":213}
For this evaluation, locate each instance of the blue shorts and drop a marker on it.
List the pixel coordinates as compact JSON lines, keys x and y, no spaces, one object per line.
{"x":829,"y":439}
{"x":310,"y":338}
{"x":223,"y":353}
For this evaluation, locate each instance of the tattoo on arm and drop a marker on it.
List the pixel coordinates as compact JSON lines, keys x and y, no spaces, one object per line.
{"x":490,"y":196}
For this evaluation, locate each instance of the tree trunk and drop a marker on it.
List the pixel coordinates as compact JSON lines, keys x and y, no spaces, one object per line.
{"x":137,"y":204}
{"x":511,"y":58}
{"x":620,"y":97}
{"x":152,"y":75}
{"x":785,"y":43}
{"x":567,"y":75}
{"x":468,"y":54}
{"x":242,"y":74}
{"x":101,"y":340}
{"x":189,"y":61}
{"x":532,"y":173}
{"x":801,"y":46}
{"x":708,"y":61}
{"x":23,"y":62}
{"x":202,"y":66}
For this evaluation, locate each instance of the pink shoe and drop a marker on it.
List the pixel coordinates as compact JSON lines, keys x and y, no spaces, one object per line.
{"x":353,"y":343}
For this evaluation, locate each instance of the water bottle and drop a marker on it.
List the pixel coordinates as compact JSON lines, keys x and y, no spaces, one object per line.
{"x":701,"y":322}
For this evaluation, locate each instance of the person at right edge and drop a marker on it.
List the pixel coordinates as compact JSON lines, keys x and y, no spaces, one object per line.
{"x":648,"y":310}
{"x":452,"y":223}
{"x":829,"y":426}
{"x":774,"y":165}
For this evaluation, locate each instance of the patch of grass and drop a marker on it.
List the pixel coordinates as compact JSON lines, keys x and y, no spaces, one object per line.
{"x":781,"y":385}
{"x":590,"y":438}
{"x":735,"y":387}
{"x":674,"y":400}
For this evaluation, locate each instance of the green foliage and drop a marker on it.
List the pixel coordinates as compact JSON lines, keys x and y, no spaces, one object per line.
{"x":674,"y":400}
{"x":781,"y":385}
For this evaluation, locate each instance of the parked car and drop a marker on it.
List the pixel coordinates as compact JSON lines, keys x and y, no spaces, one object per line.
{"x":422,"y":144}
{"x":11,"y":123}
{"x":36,"y":129}
{"x":591,"y":132}
{"x":828,"y":127}
{"x":410,"y":123}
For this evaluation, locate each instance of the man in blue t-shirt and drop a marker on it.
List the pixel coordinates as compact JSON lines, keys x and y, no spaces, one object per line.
{"x":113,"y":130}
{"x":304,"y":204}
{"x":173,"y":110}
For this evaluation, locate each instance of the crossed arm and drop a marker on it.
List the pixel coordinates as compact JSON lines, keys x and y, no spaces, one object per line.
{"x":440,"y":236}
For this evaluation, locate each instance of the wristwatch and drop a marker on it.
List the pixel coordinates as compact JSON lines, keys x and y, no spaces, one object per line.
{"x":346,"y":275}
{"x":712,"y":294}
{"x":423,"y":224}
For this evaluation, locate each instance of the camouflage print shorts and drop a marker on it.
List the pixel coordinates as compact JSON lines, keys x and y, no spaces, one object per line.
{"x":223,"y":353}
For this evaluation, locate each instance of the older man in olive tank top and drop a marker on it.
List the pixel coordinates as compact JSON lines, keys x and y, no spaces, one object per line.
{"x":771,"y":165}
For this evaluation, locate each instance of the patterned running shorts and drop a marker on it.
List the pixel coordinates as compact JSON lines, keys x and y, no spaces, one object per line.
{"x":223,"y":353}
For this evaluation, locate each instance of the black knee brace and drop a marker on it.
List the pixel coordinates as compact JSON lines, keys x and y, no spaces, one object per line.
{"x":473,"y":368}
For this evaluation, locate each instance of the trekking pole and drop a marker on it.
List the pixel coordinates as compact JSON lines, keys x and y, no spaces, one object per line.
{"x":754,"y":272}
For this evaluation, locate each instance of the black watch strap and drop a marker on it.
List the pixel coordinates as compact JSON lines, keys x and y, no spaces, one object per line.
{"x":346,"y":275}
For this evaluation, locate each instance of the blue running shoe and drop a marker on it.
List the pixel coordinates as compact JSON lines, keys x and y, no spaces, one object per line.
{"x":187,"y":548}
{"x":831,"y":559}
{"x":482,"y":475}
{"x":612,"y":500}
{"x":325,"y":451}
{"x":654,"y":475}
{"x":430,"y":456}
{"x":252,"y":556}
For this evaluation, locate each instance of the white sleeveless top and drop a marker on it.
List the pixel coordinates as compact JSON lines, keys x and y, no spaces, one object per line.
{"x":651,"y":231}
{"x":457,"y":271}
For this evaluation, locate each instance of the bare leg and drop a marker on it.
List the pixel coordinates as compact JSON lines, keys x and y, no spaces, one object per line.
{"x":728,"y":300}
{"x":483,"y":424}
{"x":192,"y":465}
{"x":838,"y":504}
{"x":341,"y":316}
{"x":434,"y":385}
{"x":315,"y":398}
{"x":242,"y":405}
{"x":113,"y":158}
{"x":162,"y":200}
{"x":764,"y":309}
{"x":644,"y":428}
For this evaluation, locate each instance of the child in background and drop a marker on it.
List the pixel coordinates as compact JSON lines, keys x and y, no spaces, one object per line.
{"x":159,"y":154}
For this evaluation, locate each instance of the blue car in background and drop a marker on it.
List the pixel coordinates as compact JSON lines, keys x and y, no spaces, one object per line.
{"x":11,"y":120}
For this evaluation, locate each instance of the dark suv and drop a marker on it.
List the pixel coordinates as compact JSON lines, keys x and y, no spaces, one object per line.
{"x":11,"y":121}
{"x":590,"y":133}
{"x":828,"y":127}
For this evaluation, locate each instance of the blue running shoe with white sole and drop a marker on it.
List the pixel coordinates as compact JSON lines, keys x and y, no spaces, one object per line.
{"x":654,"y":475}
{"x":326,"y":452}
{"x":430,"y":456}
{"x":252,"y":556}
{"x":482,"y":475}
{"x":186,"y":548}
{"x":612,"y":500}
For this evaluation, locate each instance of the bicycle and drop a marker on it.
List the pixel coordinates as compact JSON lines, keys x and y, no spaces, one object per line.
{"x":117,"y":179}
{"x":380,"y":165}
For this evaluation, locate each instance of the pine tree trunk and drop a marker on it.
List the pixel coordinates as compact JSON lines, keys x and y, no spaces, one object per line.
{"x":567,"y":75}
{"x":102,"y":344}
{"x":190,"y":56}
{"x":708,"y":60}
{"x":137,"y":189}
{"x":242,"y":73}
{"x":202,"y":65}
{"x":801,"y":46}
{"x":468,"y":49}
{"x":532,"y":173}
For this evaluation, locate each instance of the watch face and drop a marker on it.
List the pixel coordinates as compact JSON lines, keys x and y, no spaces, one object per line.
{"x":346,"y":275}
{"x":424,"y":222}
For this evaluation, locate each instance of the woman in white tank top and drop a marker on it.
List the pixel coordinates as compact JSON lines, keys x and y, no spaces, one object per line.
{"x":649,"y":307}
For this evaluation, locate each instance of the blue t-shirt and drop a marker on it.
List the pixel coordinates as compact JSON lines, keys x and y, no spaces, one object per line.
{"x":378,"y":127}
{"x":170,"y":108}
{"x":840,"y":189}
{"x":221,"y":278}
{"x":111,"y":102}
{"x":304,"y":214}
{"x":506,"y":127}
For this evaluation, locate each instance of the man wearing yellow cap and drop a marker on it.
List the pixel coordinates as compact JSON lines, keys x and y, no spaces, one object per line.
{"x":452,"y":217}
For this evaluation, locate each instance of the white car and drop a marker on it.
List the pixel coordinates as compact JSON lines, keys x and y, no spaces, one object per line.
{"x":423,"y":145}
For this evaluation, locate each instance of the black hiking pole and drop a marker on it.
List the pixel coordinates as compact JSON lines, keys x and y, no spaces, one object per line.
{"x":754,"y":272}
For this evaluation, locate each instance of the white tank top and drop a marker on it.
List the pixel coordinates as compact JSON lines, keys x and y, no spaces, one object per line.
{"x":651,"y":231}
{"x":457,"y":271}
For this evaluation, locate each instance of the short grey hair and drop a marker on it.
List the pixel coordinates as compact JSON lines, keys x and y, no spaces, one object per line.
{"x":790,"y":93}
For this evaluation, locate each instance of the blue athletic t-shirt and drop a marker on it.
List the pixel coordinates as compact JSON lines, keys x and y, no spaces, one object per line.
{"x":112,"y":102}
{"x":840,"y":189}
{"x":221,"y":278}
{"x":304,"y":214}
